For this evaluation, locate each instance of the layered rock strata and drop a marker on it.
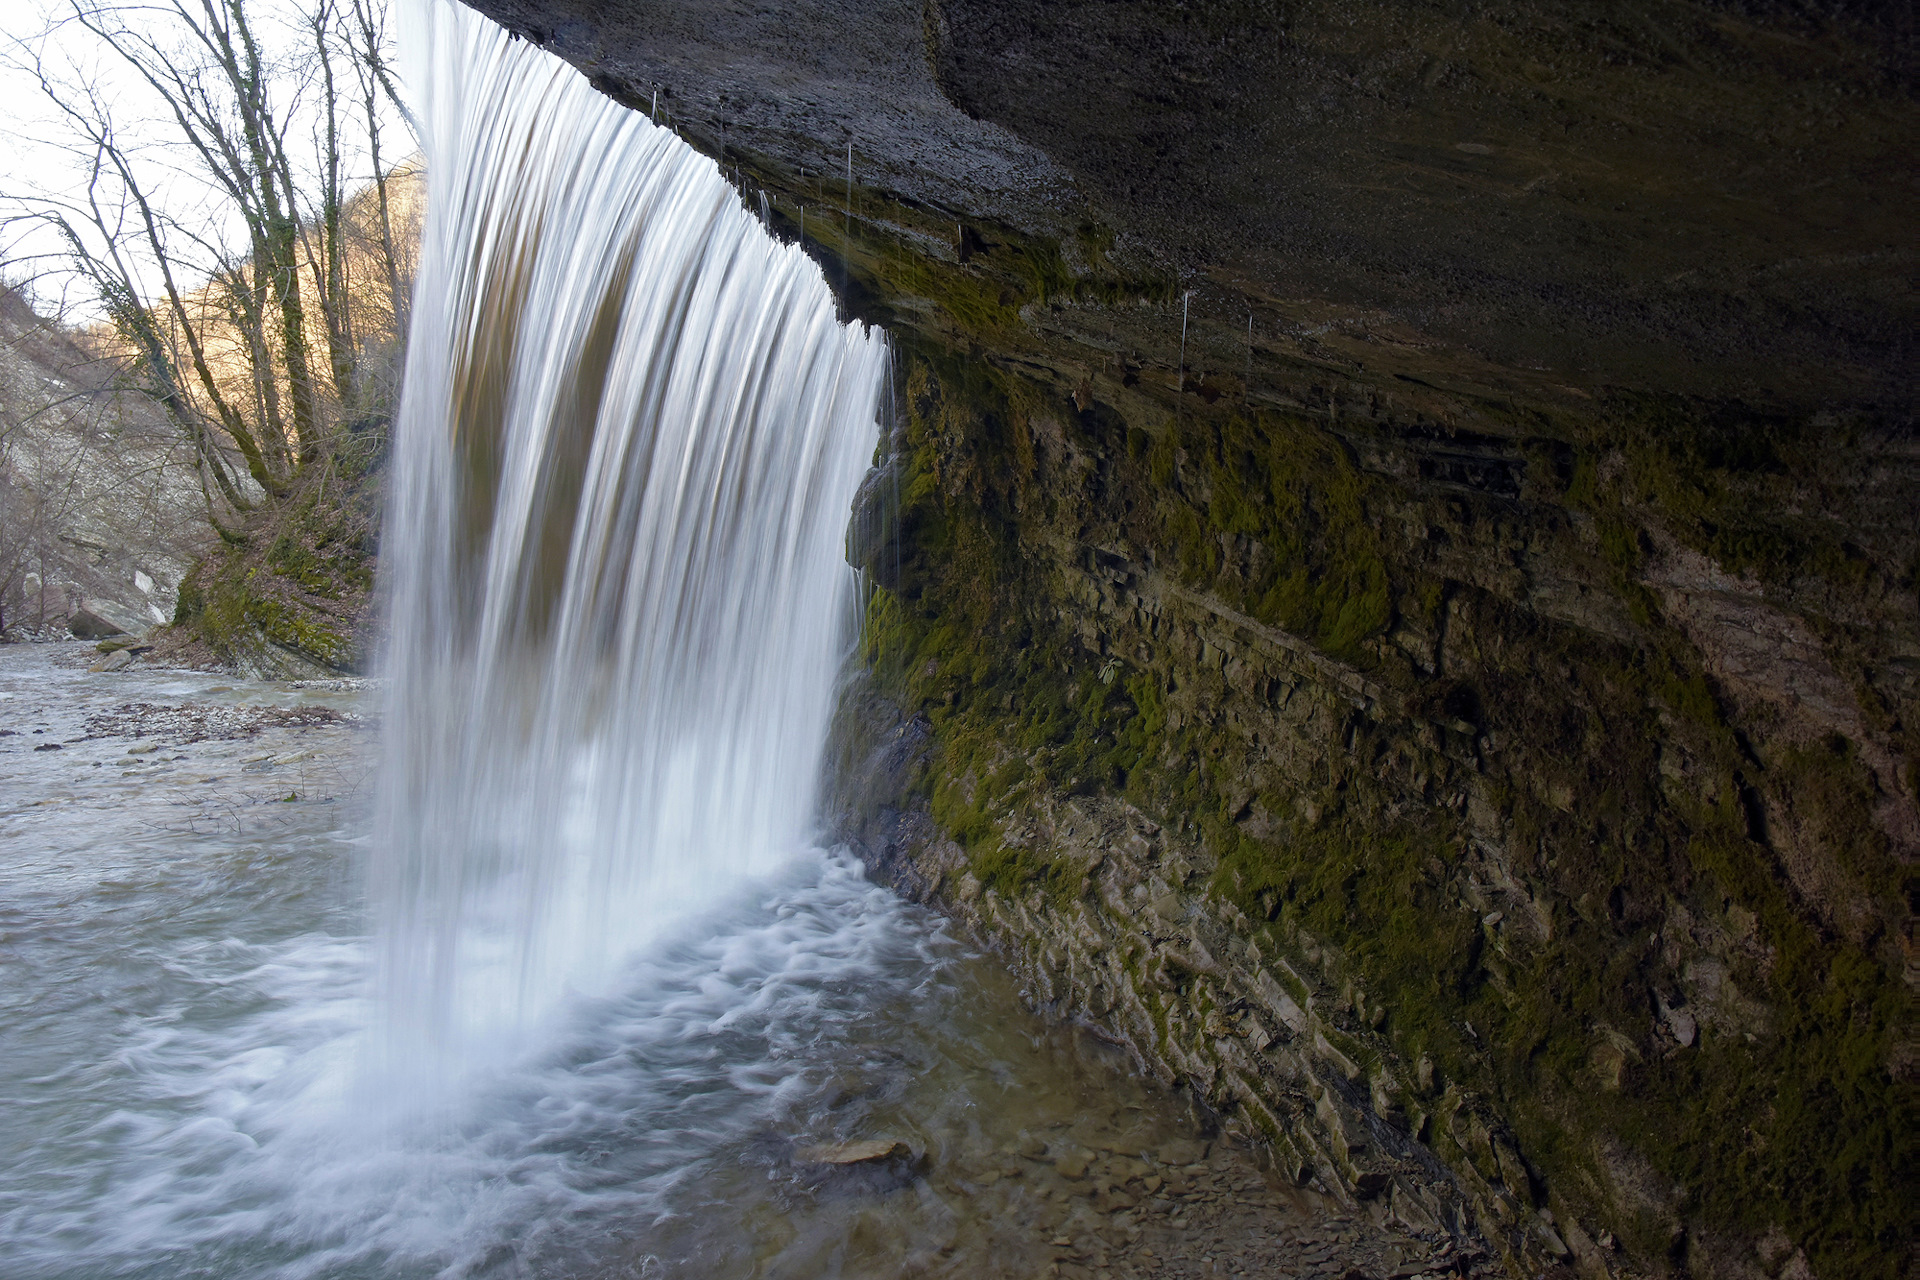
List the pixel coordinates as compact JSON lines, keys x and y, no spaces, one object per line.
{"x":1180,"y":977}
{"x":1534,"y":860}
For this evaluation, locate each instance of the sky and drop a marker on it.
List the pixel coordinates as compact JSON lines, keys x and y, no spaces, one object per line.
{"x":44,"y":159}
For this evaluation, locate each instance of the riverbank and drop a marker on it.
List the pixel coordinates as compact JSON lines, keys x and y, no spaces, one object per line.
{"x":185,"y":1080}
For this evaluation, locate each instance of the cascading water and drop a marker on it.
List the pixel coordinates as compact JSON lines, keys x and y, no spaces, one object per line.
{"x":632,"y":432}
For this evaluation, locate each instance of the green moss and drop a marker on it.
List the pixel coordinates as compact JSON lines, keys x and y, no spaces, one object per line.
{"x":1810,"y":1115}
{"x":1376,"y":893}
{"x":1692,"y":697}
{"x":300,"y":630}
{"x":976,"y":303}
{"x":1015,"y":873}
{"x":1043,"y":271}
{"x":189,"y":604}
{"x":1142,"y":734}
{"x":1095,"y":241}
{"x":1729,"y":480}
{"x":1621,"y":545}
{"x":886,"y":272}
{"x":1270,"y":515}
{"x":300,"y":576}
{"x":1720,"y":1120}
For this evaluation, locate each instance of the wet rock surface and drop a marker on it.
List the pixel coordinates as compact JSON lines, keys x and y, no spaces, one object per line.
{"x":873,"y":1167}
{"x":1688,"y":199}
{"x":199,"y":722}
{"x":1203,"y":1209}
{"x":1028,"y":1155}
{"x":1362,"y":898}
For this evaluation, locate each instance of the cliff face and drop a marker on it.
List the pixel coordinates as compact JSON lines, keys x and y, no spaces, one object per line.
{"x":1395,"y":569}
{"x":100,"y":514}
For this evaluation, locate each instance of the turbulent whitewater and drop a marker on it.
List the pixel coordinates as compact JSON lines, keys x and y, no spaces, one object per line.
{"x":632,"y":431}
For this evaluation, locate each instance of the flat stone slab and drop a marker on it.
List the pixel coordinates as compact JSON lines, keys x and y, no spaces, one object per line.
{"x":846,"y":1154}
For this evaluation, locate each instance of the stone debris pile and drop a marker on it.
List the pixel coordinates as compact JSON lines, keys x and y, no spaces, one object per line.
{"x":206,"y":721}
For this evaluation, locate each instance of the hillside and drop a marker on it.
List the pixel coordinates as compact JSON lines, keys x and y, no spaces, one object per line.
{"x":100,"y":511}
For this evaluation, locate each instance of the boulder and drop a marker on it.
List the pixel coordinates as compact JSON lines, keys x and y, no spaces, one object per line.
{"x":1182,"y":1151}
{"x":88,"y":625}
{"x":1073,"y":1162}
{"x":96,"y":619}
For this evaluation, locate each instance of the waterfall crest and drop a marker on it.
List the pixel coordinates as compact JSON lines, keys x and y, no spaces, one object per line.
{"x":631,"y":434}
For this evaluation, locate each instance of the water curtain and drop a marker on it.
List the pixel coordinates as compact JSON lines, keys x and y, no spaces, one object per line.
{"x":631,"y":434}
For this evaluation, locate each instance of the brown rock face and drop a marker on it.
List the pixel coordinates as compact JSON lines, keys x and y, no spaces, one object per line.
{"x":1705,"y":199}
{"x":1395,"y":568}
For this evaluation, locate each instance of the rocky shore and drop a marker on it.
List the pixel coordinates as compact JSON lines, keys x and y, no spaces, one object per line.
{"x":178,"y":747}
{"x":1285,"y":1053}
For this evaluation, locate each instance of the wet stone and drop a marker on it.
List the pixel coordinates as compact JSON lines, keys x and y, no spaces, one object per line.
{"x":1073,"y":1164}
{"x":875,"y":1167}
{"x":846,"y":1154}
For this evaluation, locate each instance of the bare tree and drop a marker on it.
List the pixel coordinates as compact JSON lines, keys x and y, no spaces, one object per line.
{"x":260,"y":345}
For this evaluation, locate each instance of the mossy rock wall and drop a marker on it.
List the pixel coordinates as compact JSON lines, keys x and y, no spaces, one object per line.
{"x":1464,"y":726}
{"x":290,"y":595}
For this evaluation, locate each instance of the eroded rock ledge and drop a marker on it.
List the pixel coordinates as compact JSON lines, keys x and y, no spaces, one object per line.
{"x":1563,"y":840}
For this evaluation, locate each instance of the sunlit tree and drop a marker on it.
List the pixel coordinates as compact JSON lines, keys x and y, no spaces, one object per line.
{"x":233,"y":210}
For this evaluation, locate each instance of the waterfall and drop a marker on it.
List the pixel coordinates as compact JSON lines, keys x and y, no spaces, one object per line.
{"x":631,"y":434}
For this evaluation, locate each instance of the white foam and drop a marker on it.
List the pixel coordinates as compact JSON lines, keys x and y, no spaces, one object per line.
{"x":256,"y":1145}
